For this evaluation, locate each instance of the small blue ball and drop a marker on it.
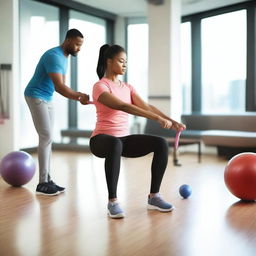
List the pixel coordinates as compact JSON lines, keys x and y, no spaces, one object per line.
{"x":185,"y":191}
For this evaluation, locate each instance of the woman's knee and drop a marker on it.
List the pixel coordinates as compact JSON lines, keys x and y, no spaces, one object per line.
{"x":115,"y":145}
{"x":105,"y":145}
{"x":161,"y":144}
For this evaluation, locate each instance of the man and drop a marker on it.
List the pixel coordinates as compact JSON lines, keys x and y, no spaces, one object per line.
{"x":49,"y":76}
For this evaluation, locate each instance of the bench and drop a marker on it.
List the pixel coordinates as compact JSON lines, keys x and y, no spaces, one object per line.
{"x":74,"y":133}
{"x":231,"y":134}
{"x":153,"y":128}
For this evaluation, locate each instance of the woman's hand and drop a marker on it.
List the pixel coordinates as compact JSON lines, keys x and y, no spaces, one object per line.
{"x":178,"y":126}
{"x":164,"y":123}
{"x":167,"y":124}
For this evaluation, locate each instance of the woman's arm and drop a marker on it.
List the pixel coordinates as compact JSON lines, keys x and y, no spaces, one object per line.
{"x":113,"y":102}
{"x":138,"y":101}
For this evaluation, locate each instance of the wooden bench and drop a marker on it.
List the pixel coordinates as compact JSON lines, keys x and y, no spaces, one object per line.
{"x":153,"y":128}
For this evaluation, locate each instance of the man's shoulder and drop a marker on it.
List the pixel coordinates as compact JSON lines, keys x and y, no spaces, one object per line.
{"x":53,"y":55}
{"x":54,"y":51}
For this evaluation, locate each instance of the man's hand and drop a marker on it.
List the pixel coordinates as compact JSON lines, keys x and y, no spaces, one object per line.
{"x":84,"y":98}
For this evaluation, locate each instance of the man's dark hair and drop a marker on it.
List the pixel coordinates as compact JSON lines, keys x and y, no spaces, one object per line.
{"x":72,"y":33}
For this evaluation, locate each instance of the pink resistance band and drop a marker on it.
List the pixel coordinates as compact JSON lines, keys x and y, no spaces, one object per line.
{"x":177,"y":138}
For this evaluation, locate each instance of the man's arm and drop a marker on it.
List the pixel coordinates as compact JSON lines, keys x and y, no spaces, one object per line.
{"x":61,"y":88}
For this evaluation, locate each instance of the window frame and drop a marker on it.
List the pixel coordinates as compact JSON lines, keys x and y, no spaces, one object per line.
{"x":196,"y":80}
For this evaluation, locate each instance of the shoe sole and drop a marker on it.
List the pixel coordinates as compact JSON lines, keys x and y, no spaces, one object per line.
{"x":44,"y":194}
{"x":117,"y":216}
{"x":153,"y":207}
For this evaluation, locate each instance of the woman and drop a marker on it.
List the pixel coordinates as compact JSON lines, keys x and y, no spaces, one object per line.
{"x":114,"y":100}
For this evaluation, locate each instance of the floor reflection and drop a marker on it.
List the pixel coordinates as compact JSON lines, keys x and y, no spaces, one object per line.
{"x":12,"y":214}
{"x":242,"y":216}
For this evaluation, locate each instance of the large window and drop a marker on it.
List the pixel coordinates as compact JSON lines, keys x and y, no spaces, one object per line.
{"x":94,"y":31}
{"x":39,"y":31}
{"x":41,"y":26}
{"x":224,"y":63}
{"x":186,"y":67}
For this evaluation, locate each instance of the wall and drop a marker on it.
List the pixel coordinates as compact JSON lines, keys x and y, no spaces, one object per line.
{"x":120,"y":35}
{"x":164,"y":57}
{"x":9,"y":55}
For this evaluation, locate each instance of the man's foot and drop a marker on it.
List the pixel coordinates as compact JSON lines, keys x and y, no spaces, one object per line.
{"x":176,"y":162}
{"x":47,"y":189}
{"x":157,"y":203}
{"x":60,"y":189}
{"x":115,"y":211}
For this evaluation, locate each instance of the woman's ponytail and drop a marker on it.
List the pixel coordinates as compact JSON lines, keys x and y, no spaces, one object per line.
{"x":107,"y":52}
{"x":101,"y":67}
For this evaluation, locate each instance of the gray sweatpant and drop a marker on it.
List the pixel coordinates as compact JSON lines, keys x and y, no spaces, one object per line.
{"x":42,"y":115}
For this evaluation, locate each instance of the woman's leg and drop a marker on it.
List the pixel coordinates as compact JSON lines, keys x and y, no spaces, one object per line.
{"x":110,"y":148}
{"x":42,"y":115}
{"x":140,"y":145}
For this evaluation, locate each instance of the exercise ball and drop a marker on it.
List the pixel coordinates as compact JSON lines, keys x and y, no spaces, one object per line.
{"x":17,"y":168}
{"x":240,"y":176}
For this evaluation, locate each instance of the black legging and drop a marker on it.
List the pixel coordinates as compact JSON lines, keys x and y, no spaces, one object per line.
{"x":112,"y":148}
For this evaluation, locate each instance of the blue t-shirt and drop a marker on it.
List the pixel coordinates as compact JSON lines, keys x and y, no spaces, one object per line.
{"x":41,"y":85}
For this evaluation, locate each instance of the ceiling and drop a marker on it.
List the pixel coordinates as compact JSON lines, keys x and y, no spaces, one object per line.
{"x":137,"y":8}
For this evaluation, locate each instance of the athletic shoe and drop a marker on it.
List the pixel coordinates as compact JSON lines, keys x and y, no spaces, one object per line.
{"x":60,"y":189}
{"x":115,"y":211}
{"x":157,"y":203}
{"x":47,"y":189}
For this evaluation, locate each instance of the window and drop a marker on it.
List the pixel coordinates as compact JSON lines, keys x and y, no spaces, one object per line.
{"x":138,"y":58}
{"x":94,"y":32}
{"x":186,"y":67}
{"x":39,"y":31}
{"x":224,"y":63}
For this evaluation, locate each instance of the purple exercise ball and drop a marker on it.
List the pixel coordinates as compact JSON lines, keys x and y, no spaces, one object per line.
{"x":17,"y":168}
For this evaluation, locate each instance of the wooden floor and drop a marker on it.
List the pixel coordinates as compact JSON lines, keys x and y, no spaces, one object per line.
{"x":212,"y":222}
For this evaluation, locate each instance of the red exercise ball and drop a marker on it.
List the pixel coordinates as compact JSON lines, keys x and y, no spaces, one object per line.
{"x":240,"y":176}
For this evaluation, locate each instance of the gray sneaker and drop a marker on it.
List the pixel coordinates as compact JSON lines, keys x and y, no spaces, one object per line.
{"x":115,"y":211}
{"x":157,"y":203}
